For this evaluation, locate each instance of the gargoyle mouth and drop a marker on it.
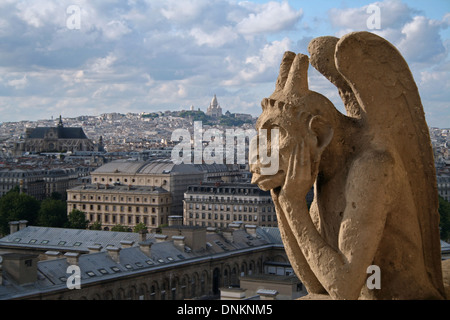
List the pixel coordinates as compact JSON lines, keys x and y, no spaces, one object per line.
{"x":268,"y":182}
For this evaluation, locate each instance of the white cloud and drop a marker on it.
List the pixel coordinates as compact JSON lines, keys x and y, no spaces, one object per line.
{"x":269,"y":18}
{"x":393,"y":13}
{"x":115,"y":29}
{"x":422,"y":41}
{"x":183,"y":11}
{"x":262,"y":67}
{"x":19,"y":83}
{"x":215,"y":38}
{"x":103,"y":65}
{"x":38,"y":13}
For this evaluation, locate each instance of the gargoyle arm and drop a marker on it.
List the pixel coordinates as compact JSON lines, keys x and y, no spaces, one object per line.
{"x":360,"y":232}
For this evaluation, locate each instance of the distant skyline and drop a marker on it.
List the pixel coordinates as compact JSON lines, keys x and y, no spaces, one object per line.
{"x":81,"y":57}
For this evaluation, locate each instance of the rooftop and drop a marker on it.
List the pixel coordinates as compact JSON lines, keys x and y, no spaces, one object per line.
{"x":162,"y":166}
{"x":52,"y":274}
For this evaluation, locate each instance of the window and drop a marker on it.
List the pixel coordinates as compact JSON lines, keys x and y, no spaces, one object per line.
{"x":103,"y":271}
{"x":115,"y":269}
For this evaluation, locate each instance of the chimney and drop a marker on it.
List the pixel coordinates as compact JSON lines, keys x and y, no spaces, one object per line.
{"x":161,"y":237}
{"x":22,"y":224}
{"x":250,"y":229}
{"x":114,"y":253}
{"x":126,"y":243}
{"x":13,"y":227}
{"x":235,"y":225}
{"x":95,"y":248}
{"x":265,"y":294}
{"x":178,"y":241}
{"x":21,"y":267}
{"x":228,"y":234}
{"x":146,"y":248}
{"x":175,"y":221}
{"x":143,"y":235}
{"x":51,"y":255}
{"x":211,"y":230}
{"x":72,"y":258}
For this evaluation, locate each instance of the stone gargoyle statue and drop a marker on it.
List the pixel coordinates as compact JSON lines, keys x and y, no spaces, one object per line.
{"x":375,"y":194}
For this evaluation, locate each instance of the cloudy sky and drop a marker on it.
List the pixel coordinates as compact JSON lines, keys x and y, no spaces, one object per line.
{"x":84,"y":57}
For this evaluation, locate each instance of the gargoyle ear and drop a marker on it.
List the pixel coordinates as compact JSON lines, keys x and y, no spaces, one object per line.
{"x":323,"y":131}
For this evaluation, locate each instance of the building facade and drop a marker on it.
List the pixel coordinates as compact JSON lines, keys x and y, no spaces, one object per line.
{"x":128,"y":206}
{"x":219,"y":204}
{"x":214,"y":110}
{"x":30,"y":181}
{"x":162,"y":174}
{"x":167,"y":266}
{"x":54,"y":139}
{"x":41,"y":183}
{"x":443,"y":185}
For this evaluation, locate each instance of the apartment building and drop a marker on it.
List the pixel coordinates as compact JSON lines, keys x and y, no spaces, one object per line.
{"x":118,"y":204}
{"x":219,"y":204}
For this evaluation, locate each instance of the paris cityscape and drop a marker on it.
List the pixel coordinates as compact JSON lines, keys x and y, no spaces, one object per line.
{"x":92,"y":205}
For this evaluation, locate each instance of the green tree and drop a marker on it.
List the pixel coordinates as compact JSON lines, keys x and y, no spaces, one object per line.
{"x":444,"y":222}
{"x":77,"y":220}
{"x":52,"y":213}
{"x":139,"y":227}
{"x":119,"y":228}
{"x":56,"y":195}
{"x":96,"y":226}
{"x":17,"y":206}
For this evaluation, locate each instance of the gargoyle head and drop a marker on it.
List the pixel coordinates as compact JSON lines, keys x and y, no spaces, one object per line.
{"x":300,"y":117}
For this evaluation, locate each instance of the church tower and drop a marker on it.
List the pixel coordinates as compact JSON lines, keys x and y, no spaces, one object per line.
{"x":214,"y":110}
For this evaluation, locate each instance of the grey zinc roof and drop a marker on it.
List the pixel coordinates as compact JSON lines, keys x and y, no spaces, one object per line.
{"x":445,"y":246}
{"x":161,"y":166}
{"x":52,"y":274}
{"x":120,"y":166}
{"x":96,"y":265}
{"x":63,"y":133}
{"x":66,"y":239}
{"x":272,"y":234}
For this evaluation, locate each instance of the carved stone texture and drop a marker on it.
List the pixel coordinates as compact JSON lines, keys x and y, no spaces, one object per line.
{"x":376,"y":199}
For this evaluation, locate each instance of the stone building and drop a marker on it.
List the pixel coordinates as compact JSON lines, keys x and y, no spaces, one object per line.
{"x":30,"y":181}
{"x":163,"y":174}
{"x":214,"y":110}
{"x":189,"y":263}
{"x":219,"y":204}
{"x":118,"y":204}
{"x":54,"y":139}
{"x":443,"y":185}
{"x":41,"y":183}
